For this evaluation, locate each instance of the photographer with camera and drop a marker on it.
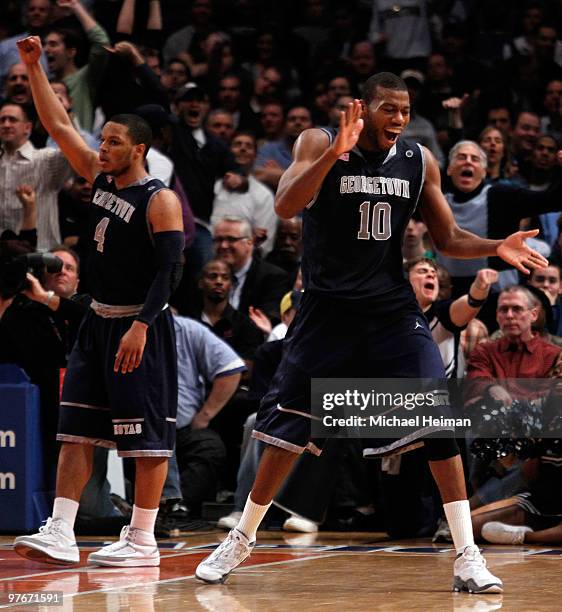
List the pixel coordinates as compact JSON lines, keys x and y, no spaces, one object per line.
{"x":30,"y":338}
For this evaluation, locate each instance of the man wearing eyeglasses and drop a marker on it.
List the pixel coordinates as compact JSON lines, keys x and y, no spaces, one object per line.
{"x":256,"y":283}
{"x":46,"y":170}
{"x":517,"y":354}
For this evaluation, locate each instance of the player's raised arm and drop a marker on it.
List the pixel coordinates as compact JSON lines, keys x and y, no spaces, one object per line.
{"x":313,"y":159}
{"x":453,"y":241}
{"x":52,"y":114}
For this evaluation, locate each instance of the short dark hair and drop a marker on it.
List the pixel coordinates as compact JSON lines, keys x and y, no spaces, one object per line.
{"x":70,"y":36}
{"x":26,"y":109}
{"x":408,"y":265}
{"x":387,"y":80}
{"x":66,"y":249}
{"x":247,"y":133}
{"x":214,"y":261}
{"x":139,"y":129}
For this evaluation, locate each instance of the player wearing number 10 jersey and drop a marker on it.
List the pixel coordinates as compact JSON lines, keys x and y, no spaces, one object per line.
{"x":356,"y":189}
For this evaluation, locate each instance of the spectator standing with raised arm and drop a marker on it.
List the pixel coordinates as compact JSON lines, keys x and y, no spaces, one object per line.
{"x":61,"y":47}
{"x":120,"y":387}
{"x":46,"y":170}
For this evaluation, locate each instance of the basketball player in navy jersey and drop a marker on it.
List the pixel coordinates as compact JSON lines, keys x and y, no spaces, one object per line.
{"x":120,"y":388}
{"x":357,"y":188}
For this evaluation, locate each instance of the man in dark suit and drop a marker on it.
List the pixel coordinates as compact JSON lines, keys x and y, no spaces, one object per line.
{"x":257,"y":283}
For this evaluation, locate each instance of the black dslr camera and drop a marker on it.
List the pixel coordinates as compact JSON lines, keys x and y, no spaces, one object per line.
{"x":13,"y":271}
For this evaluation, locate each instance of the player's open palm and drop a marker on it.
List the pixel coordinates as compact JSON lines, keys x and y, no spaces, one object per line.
{"x":514,"y":250}
{"x":351,"y":125}
{"x":30,"y":49}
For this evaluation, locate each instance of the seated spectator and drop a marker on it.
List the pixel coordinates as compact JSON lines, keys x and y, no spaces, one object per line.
{"x":493,"y":365}
{"x":287,"y":249}
{"x":287,"y":308}
{"x":256,"y":282}
{"x":47,"y":168}
{"x":251,"y":200}
{"x":203,"y":359}
{"x":235,"y":328}
{"x":533,"y":516}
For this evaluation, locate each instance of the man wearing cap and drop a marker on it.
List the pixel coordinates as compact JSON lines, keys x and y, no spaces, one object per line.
{"x":288,"y":310}
{"x":200,"y":159}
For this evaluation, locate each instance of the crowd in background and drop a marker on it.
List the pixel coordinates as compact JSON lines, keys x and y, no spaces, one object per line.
{"x":227,"y":86}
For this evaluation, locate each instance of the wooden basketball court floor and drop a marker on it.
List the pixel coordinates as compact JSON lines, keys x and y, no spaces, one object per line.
{"x":290,"y":572}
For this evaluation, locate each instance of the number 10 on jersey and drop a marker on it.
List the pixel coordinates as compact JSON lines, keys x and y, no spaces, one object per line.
{"x":380,"y":221}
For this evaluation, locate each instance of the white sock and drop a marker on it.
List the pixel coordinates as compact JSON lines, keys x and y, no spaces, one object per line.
{"x":65,"y":509}
{"x":460,"y":524}
{"x":251,"y":518}
{"x":144,"y":518}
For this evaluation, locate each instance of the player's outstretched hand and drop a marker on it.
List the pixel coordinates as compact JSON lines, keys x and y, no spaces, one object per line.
{"x":514,"y":250}
{"x":30,"y":49}
{"x":351,"y":125}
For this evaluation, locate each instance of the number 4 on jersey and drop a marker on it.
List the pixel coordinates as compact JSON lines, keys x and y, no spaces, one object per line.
{"x":380,"y":221}
{"x":99,"y":234}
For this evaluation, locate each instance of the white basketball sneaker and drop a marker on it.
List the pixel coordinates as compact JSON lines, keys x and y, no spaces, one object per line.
{"x":230,"y":520}
{"x":300,"y":524}
{"x":233,"y":551}
{"x":472,"y":575}
{"x":501,"y":533}
{"x":54,"y":543}
{"x":135,"y":548}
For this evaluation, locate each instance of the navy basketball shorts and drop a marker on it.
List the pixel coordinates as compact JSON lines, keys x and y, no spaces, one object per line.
{"x":328,"y":340}
{"x":133,"y":412}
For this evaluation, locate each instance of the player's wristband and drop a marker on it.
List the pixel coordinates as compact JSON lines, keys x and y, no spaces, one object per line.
{"x":474,"y":303}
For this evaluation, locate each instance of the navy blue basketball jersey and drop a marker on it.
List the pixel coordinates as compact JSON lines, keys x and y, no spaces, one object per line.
{"x":353,"y":229}
{"x":122,"y":261}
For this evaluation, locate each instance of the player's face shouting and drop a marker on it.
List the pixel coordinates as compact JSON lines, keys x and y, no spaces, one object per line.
{"x":386,"y":116}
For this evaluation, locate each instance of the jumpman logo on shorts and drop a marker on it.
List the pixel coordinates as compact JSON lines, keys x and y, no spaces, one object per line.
{"x":418,"y":324}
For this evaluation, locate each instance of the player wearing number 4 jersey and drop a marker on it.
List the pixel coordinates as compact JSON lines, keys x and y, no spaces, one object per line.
{"x":357,"y":187}
{"x":120,"y":389}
